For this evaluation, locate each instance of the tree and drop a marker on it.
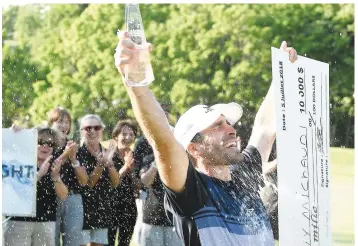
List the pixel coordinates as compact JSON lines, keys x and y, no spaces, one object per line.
{"x":219,"y":54}
{"x":20,"y":72}
{"x":83,"y":78}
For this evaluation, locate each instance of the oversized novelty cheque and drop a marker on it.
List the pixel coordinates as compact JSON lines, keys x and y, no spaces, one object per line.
{"x":302,"y":116}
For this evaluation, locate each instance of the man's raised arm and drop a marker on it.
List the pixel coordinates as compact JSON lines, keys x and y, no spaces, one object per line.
{"x":171,"y":158}
{"x":264,"y":130}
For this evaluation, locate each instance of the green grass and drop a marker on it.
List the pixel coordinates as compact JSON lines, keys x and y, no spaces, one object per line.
{"x":342,"y":196}
{"x":342,"y":157}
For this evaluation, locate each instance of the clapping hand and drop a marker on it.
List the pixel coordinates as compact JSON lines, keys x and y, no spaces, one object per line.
{"x":104,"y":158}
{"x":44,"y":167}
{"x":55,"y":169}
{"x":71,"y":150}
{"x":128,"y":159}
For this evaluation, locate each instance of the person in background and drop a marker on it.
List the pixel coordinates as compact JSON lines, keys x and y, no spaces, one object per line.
{"x":157,"y":228}
{"x":124,"y":211}
{"x":103,"y":178}
{"x":40,"y":230}
{"x":69,"y":221}
{"x":142,"y":149}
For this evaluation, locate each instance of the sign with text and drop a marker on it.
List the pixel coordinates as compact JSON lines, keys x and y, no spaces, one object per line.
{"x":19,"y":158}
{"x":302,"y":116}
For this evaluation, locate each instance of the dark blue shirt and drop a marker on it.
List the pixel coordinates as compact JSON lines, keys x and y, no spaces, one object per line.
{"x":213,"y":212}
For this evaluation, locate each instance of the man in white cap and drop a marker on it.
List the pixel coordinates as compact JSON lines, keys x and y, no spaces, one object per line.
{"x":211,"y":188}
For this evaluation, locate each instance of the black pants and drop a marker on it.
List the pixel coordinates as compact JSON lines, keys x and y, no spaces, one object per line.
{"x":125,"y":226}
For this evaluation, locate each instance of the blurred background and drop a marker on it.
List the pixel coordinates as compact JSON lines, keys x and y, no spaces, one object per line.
{"x":62,"y":55}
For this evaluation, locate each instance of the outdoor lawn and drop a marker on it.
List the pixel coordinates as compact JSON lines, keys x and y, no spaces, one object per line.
{"x":342,"y":177}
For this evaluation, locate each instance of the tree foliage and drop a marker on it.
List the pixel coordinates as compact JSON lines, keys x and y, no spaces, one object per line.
{"x":203,"y":53}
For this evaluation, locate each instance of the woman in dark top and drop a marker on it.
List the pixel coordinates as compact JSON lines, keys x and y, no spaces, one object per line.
{"x":40,"y":230}
{"x":69,"y":219}
{"x":103,"y":178}
{"x":157,"y":227}
{"x":124,"y":211}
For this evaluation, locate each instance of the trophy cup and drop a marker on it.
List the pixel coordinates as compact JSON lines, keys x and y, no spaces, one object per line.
{"x":139,"y":72}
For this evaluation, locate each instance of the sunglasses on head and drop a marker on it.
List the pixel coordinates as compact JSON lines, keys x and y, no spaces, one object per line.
{"x":45,"y":142}
{"x":89,"y":128}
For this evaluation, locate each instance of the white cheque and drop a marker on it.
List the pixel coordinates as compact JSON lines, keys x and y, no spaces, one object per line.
{"x":302,"y":116}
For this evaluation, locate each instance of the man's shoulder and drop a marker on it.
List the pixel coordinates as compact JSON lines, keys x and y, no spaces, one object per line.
{"x":252,"y":153}
{"x":251,"y":150}
{"x":192,"y":198}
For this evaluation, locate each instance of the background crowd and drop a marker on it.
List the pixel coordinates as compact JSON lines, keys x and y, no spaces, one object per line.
{"x":89,"y":194}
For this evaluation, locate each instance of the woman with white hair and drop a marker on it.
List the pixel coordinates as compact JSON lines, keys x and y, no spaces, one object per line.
{"x":103,"y":177}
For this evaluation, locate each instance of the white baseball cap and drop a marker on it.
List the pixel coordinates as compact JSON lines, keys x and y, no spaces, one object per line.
{"x":200,"y":117}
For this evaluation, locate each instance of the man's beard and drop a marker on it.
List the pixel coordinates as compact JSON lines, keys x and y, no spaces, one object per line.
{"x":219,"y":155}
